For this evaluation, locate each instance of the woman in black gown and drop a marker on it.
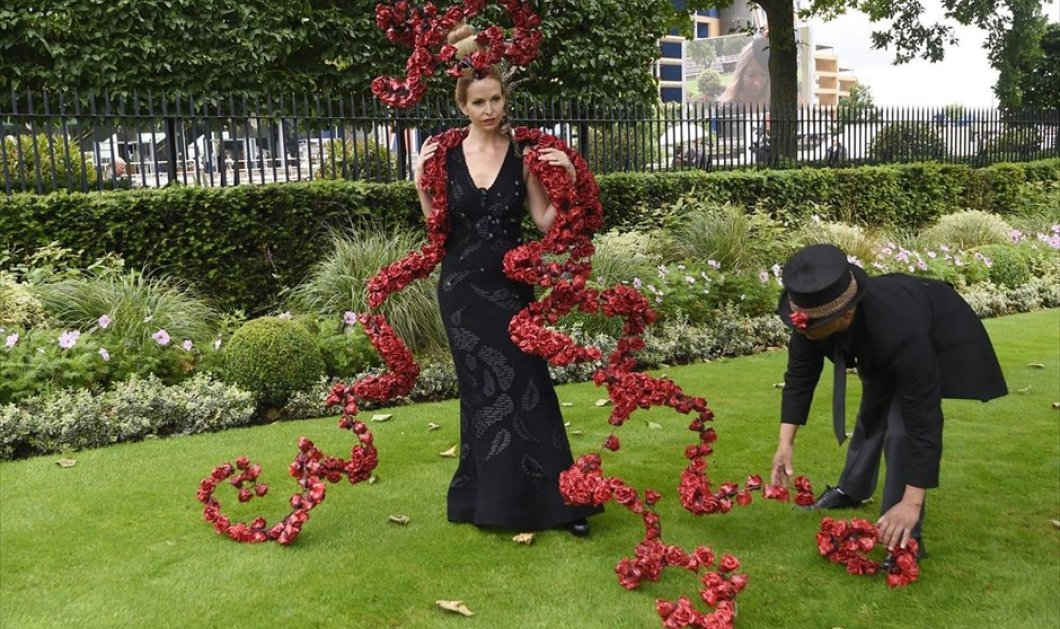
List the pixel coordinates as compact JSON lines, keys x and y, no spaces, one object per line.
{"x":513,"y":445}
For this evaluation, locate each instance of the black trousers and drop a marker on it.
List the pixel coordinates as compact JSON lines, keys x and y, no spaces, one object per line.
{"x":879,"y":430}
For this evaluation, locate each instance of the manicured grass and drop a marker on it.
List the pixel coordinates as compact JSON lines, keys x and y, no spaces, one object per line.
{"x":118,"y":540}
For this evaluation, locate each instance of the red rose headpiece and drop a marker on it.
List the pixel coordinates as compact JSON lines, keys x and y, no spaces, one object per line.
{"x":446,"y":38}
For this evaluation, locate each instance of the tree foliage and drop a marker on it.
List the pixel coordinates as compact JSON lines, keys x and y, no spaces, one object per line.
{"x":592,"y":49}
{"x":1039,"y":76}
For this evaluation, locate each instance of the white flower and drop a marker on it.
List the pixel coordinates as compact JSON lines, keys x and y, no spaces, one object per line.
{"x":161,"y":337}
{"x":217,"y":343}
{"x":11,"y":340}
{"x":148,"y":319}
{"x":637,"y":283}
{"x":714,"y":264}
{"x":286,"y":314}
{"x":104,"y":321}
{"x":932,"y":255}
{"x":104,"y":354}
{"x":816,"y":219}
{"x":775,"y":269}
{"x":763,"y":276}
{"x":187,"y":345}
{"x":69,"y":338}
{"x":690,"y":279}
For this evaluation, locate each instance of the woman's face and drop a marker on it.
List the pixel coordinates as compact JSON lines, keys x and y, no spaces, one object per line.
{"x":755,"y":79}
{"x":485,"y":103}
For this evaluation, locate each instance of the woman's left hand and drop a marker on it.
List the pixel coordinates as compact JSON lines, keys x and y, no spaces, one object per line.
{"x":556,"y":157}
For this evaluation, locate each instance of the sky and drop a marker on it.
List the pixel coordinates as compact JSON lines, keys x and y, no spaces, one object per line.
{"x":964,"y":76}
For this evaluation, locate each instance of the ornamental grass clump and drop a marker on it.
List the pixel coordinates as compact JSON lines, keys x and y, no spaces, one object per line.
{"x":272,"y":358}
{"x":337,"y":284}
{"x":855,"y":240}
{"x":967,"y":230}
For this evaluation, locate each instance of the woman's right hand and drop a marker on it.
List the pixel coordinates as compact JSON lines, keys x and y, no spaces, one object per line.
{"x":426,"y":152}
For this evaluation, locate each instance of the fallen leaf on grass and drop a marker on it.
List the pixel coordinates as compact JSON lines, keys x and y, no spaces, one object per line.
{"x":653,"y":425}
{"x":778,"y":385}
{"x":603,"y":402}
{"x":567,"y":404}
{"x":66,"y":462}
{"x":1024,"y":389}
{"x":398,"y":519}
{"x":455,"y":607}
{"x":576,"y":432}
{"x":373,"y":479}
{"x":1056,"y":523}
{"x":449,"y":454}
{"x":381,"y":417}
{"x":524,"y":538}
{"x":431,"y":426}
{"x":1036,"y":365}
{"x":1056,"y":404}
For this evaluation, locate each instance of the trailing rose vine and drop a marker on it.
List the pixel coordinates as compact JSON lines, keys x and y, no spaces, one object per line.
{"x":559,"y":263}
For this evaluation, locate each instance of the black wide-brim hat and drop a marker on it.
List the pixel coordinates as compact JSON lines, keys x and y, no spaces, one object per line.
{"x":820,"y":285}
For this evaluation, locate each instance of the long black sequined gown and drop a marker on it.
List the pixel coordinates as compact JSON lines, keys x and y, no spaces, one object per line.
{"x":512,"y":441}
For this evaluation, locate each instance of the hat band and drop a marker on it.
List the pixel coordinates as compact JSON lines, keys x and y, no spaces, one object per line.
{"x":832,"y":307}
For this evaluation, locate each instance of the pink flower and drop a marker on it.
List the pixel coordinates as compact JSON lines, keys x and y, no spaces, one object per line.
{"x":104,"y":321}
{"x":104,"y":354}
{"x":350,"y":317}
{"x":763,"y":277}
{"x":69,"y":338}
{"x":187,"y":345}
{"x":161,"y":337}
{"x":11,"y":340}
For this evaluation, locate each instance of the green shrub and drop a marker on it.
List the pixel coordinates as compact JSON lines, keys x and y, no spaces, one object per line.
{"x":360,"y":160}
{"x":968,"y":230}
{"x":1008,"y":265}
{"x":907,"y":142}
{"x":622,"y":256}
{"x":19,"y":308}
{"x":45,"y":163}
{"x":346,"y":349}
{"x":132,"y":410}
{"x":272,"y":358}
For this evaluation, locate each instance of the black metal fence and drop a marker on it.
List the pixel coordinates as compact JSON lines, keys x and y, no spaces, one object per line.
{"x":74,"y":142}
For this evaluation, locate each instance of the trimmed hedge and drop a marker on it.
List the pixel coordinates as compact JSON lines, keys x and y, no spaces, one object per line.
{"x":240,"y":245}
{"x":244,"y":245}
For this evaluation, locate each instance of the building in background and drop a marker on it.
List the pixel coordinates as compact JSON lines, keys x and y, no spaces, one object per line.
{"x":682,"y":61}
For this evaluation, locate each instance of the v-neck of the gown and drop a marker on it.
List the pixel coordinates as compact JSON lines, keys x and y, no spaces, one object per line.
{"x":496,"y":177}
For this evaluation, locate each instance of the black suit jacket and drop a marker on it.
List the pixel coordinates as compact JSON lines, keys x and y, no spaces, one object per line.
{"x":913,"y":338}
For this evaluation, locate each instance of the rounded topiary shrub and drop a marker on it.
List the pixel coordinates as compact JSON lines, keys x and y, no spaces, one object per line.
{"x":273,"y":358}
{"x":907,"y":142}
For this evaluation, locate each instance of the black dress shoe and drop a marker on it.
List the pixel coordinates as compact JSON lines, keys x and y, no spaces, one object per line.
{"x":579,"y":528}
{"x":834,"y":498}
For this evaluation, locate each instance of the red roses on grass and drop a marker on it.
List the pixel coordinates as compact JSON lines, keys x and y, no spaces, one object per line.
{"x":849,"y":542}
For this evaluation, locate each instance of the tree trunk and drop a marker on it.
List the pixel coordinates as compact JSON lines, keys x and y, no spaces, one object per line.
{"x":783,"y":80}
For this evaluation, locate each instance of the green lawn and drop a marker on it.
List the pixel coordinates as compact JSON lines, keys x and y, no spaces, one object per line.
{"x":118,"y":539}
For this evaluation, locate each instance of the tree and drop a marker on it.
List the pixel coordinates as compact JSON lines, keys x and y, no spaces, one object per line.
{"x":858,"y":106}
{"x":904,"y":32}
{"x":710,"y":84}
{"x":1039,"y":77}
{"x":702,"y":52}
{"x":598,"y":50}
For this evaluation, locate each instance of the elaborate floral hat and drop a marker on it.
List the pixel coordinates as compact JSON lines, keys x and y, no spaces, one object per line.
{"x":446,"y":39}
{"x":819,"y":285}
